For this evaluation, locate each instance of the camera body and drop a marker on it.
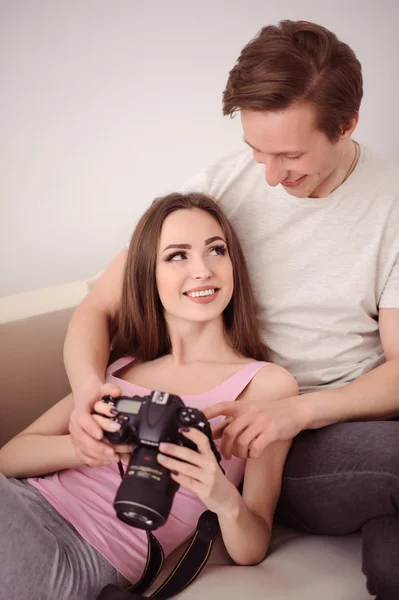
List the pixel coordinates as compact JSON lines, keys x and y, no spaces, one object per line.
{"x":145,"y":496}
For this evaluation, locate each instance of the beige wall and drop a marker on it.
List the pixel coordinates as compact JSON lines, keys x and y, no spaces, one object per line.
{"x":105,"y":105}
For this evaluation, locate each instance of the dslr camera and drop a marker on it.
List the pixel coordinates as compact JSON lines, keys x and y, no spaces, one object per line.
{"x":145,"y":496}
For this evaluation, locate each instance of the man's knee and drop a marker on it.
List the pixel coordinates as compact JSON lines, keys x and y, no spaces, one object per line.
{"x":382,"y":577}
{"x":381,"y":556}
{"x":346,"y":447}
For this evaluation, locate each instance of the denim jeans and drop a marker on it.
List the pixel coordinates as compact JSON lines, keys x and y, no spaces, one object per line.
{"x":345,"y":478}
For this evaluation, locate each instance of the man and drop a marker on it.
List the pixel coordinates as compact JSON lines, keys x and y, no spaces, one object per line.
{"x":321,"y":240}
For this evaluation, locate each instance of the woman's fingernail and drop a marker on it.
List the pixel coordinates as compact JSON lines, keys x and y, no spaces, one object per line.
{"x":113,"y":411}
{"x":163,"y":446}
{"x":184,"y":429}
{"x":174,"y":472}
{"x":109,"y":452}
{"x":114,"y":426}
{"x":161,"y":457}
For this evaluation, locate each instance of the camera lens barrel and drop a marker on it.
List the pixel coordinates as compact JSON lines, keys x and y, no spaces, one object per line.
{"x":145,"y":496}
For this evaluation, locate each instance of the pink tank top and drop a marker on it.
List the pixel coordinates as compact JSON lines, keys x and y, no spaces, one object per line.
{"x":84,"y":496}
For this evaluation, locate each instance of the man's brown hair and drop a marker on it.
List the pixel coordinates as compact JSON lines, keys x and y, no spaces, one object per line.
{"x":141,"y":329}
{"x":297,"y":62}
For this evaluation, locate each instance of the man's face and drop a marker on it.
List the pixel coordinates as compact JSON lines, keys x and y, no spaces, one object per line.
{"x":295,"y":154}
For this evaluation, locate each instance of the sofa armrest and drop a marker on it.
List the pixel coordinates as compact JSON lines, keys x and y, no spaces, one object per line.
{"x":32,"y":332}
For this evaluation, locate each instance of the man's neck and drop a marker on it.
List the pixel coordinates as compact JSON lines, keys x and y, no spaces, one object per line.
{"x":340,"y":174}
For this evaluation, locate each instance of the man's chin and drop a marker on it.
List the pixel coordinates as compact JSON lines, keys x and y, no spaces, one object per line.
{"x":297,"y":192}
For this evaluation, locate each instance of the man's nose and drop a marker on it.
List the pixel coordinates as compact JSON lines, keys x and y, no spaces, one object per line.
{"x":274,"y":171}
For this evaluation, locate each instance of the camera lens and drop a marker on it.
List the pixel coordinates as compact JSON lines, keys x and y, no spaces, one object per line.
{"x":138,"y":520}
{"x":146,"y":493}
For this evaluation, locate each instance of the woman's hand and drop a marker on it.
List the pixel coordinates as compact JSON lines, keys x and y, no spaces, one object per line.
{"x":198,"y":471}
{"x":103,"y":415}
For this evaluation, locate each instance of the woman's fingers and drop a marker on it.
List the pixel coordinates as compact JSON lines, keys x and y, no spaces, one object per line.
{"x":106,"y":423}
{"x":183,"y":468}
{"x":196,"y":465}
{"x":199,"y":439}
{"x":181,"y":453}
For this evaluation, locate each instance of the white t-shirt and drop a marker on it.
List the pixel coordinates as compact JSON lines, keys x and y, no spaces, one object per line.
{"x":320,"y":267}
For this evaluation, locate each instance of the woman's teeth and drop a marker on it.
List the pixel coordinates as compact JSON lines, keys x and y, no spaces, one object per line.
{"x":201,"y":293}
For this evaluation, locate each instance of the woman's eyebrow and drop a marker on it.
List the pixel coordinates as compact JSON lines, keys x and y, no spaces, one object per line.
{"x":189,"y":246}
{"x":213,"y":239}
{"x":180,"y":246}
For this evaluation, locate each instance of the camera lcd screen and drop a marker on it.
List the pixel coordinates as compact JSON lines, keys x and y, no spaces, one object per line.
{"x":129,"y":406}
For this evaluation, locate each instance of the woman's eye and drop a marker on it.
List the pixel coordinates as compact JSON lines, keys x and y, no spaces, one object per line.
{"x":176,"y":256}
{"x":217,"y":251}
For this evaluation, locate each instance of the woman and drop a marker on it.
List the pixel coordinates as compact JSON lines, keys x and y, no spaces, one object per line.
{"x":187,"y":325}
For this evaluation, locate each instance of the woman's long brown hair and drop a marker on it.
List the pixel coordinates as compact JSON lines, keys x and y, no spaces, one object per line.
{"x":141,"y":329}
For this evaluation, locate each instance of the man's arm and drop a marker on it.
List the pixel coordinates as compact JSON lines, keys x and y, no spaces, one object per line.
{"x":86,"y":354}
{"x":373,"y":396}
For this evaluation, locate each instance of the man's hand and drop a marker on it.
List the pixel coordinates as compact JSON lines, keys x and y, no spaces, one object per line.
{"x":249,"y":427}
{"x":87,"y":435}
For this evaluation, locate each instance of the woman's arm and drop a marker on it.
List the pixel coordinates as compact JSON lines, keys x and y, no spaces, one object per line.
{"x":43,"y":447}
{"x":245,"y":521}
{"x":247,"y":525}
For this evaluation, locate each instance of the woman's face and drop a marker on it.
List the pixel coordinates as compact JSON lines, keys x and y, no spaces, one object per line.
{"x":194,"y":273}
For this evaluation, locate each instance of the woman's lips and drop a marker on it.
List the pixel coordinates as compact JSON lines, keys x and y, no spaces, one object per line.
{"x":203,"y":299}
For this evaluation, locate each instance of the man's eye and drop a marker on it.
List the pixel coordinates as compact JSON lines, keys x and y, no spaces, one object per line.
{"x":295,"y":157}
{"x":176,"y":256}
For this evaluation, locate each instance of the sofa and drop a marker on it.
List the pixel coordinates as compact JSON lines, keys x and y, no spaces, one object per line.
{"x":299,"y":566}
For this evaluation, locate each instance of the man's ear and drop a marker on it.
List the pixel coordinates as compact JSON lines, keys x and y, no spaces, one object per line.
{"x":349,"y":128}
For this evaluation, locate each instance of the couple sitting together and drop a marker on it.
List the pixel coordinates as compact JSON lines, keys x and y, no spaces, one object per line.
{"x":283,"y":331}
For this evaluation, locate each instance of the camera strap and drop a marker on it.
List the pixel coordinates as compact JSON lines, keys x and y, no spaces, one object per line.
{"x":190,"y":564}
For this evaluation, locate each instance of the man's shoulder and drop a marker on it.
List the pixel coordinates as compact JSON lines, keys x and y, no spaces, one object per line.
{"x":379,"y":173}
{"x":216,"y":178}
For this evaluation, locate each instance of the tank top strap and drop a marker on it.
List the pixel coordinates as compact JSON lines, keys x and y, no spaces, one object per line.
{"x":118,"y":364}
{"x":239,"y":381}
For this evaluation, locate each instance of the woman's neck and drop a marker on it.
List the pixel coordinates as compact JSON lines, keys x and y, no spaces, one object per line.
{"x":199,"y":342}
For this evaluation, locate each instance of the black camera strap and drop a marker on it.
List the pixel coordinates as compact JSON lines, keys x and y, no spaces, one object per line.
{"x":190,"y":564}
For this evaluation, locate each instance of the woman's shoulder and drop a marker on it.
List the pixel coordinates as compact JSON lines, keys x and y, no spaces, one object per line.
{"x":271,"y":382}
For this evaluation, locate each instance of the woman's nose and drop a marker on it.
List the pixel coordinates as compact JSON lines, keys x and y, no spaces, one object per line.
{"x":201,"y":270}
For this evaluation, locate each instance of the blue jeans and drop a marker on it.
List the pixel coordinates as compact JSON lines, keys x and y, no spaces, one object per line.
{"x":345,"y":478}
